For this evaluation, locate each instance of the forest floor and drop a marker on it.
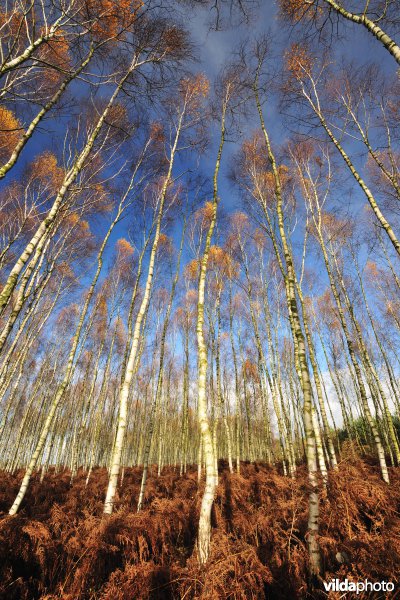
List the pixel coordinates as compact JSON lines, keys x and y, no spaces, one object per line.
{"x":59,"y":546}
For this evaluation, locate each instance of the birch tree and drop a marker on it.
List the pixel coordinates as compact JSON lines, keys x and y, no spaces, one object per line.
{"x":204,"y":531}
{"x":190,"y":92}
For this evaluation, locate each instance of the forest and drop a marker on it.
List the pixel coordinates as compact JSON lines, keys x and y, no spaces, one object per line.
{"x":199,"y":299}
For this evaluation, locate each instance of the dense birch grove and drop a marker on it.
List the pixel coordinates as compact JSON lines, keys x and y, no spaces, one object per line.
{"x":198,"y":267}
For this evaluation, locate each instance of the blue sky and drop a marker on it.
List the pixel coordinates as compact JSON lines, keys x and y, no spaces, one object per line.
{"x":214,"y":49}
{"x":217,"y":47}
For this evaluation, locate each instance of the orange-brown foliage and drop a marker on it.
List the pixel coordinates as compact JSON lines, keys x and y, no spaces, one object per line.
{"x":12,"y":29}
{"x":67,"y":315}
{"x":165,"y":243}
{"x":124,"y":248}
{"x":191,"y":297}
{"x":328,"y":311}
{"x":46,"y":170}
{"x":111,"y":17}
{"x":389,"y":178}
{"x":60,"y":546}
{"x":193,"y":90}
{"x":267,"y":178}
{"x":303,"y":150}
{"x":239,"y":223}
{"x":259,"y":239}
{"x":372,"y":270}
{"x":299,"y":61}
{"x":192,"y":270}
{"x":121,"y":335}
{"x":102,"y":309}
{"x":221,"y":262}
{"x":173,"y":41}
{"x":294,"y":9}
{"x":205,"y":213}
{"x":65,"y":270}
{"x":10,"y":133}
{"x":55,"y":54}
{"x":71,"y":219}
{"x":157,"y":132}
{"x":256,"y":167}
{"x":251,"y":370}
{"x":335,"y":228}
{"x":118,"y":116}
{"x":254,"y":153}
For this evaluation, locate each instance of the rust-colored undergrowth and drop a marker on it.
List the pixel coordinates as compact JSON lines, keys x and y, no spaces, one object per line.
{"x":59,"y":546}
